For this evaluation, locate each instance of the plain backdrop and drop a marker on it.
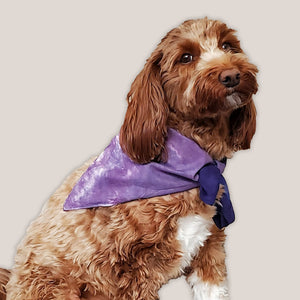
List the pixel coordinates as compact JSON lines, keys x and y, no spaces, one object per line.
{"x":65,"y":69}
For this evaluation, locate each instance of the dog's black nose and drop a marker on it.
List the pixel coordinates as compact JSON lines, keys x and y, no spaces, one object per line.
{"x":230,"y":78}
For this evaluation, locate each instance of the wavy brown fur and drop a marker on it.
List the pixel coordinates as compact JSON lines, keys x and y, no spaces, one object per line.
{"x":95,"y":249}
{"x":4,"y":277}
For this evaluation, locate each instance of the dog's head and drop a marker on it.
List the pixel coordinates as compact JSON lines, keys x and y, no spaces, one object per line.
{"x":198,"y":71}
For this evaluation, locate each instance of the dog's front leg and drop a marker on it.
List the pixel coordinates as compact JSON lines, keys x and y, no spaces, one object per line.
{"x":207,"y":275}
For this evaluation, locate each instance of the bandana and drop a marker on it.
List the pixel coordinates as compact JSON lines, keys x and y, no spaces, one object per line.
{"x":113,"y":178}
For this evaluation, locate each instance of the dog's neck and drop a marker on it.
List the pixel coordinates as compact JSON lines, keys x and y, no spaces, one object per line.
{"x":211,"y":134}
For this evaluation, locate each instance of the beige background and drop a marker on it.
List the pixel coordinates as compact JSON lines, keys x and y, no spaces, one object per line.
{"x":65,"y":68}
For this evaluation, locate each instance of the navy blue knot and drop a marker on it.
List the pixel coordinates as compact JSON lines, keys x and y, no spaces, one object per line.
{"x":210,"y":179}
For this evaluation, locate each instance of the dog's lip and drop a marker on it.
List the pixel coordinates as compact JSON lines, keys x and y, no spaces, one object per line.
{"x":230,"y":91}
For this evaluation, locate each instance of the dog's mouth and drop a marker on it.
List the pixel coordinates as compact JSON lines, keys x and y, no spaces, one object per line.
{"x":236,"y":98}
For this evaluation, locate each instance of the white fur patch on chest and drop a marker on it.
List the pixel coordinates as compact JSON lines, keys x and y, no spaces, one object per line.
{"x":192,"y":233}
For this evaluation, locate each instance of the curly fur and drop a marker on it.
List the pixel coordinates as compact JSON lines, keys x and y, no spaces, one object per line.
{"x":4,"y":277}
{"x":130,"y":250}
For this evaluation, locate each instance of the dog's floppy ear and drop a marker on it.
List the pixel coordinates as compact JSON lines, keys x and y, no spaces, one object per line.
{"x":243,"y":125}
{"x":144,"y":130}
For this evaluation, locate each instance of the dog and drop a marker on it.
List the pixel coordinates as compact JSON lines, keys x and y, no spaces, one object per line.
{"x":199,"y":83}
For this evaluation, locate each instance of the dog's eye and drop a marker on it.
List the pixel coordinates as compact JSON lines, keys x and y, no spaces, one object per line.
{"x":186,"y":58}
{"x":226,"y":46}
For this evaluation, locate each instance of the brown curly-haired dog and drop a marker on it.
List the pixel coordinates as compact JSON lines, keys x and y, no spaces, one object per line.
{"x":198,"y":81}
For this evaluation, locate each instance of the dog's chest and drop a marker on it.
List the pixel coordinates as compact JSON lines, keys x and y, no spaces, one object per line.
{"x":193,"y":231}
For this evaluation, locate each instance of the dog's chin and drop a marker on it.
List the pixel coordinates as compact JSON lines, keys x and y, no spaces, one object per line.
{"x":233,"y":101}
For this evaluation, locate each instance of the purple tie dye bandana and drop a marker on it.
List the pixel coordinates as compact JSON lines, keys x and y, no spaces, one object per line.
{"x":114,"y":178}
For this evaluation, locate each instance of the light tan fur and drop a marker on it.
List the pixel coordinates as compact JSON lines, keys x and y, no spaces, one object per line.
{"x":130,"y":250}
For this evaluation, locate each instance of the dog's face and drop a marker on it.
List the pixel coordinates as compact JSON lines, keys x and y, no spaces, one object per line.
{"x":198,"y":71}
{"x":204,"y":70}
